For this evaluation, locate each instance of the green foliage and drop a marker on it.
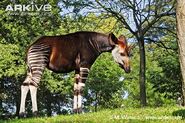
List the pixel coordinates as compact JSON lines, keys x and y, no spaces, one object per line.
{"x":168,"y":80}
{"x":103,"y":82}
{"x":180,"y":113}
{"x":159,"y":92}
{"x":91,"y":22}
{"x":12,"y":68}
{"x":11,"y":63}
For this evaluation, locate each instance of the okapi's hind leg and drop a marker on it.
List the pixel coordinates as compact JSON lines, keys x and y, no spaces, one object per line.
{"x":24,"y":92}
{"x":78,"y":89}
{"x":33,"y":92}
{"x":30,"y":83}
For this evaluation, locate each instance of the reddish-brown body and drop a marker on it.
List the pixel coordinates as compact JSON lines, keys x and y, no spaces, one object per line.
{"x":68,"y":53}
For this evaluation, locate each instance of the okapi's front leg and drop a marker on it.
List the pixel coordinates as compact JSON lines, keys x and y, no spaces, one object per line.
{"x":78,"y":89}
{"x":75,"y":100}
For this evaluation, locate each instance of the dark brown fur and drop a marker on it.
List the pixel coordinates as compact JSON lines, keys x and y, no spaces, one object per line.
{"x":72,"y":51}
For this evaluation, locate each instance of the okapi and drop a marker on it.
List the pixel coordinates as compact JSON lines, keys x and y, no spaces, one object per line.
{"x":72,"y":52}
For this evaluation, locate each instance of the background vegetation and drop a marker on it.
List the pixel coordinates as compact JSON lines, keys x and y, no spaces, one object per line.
{"x":108,"y":86}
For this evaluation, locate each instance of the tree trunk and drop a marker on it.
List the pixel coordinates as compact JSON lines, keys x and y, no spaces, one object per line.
{"x":142,"y":72}
{"x":180,"y":12}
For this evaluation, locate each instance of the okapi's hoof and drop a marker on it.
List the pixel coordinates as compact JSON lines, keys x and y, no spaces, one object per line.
{"x":77,"y":111}
{"x":35,"y":114}
{"x":22,"y":115}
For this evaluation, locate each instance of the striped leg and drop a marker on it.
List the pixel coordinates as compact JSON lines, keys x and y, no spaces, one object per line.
{"x":78,"y":89}
{"x":37,"y":58}
{"x":75,"y":99}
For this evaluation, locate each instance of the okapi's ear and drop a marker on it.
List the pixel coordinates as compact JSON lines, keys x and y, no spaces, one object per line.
{"x":112,"y":39}
{"x":122,"y":39}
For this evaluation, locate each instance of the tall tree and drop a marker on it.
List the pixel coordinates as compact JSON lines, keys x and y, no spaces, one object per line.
{"x":137,"y":16}
{"x":180,"y":13}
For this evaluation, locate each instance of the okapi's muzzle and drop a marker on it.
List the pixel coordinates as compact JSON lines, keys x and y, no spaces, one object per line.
{"x":126,"y":68}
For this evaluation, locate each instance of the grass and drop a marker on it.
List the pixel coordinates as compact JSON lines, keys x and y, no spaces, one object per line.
{"x":128,"y":115}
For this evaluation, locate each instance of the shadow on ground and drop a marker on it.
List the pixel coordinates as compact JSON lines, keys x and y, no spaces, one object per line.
{"x":180,"y":113}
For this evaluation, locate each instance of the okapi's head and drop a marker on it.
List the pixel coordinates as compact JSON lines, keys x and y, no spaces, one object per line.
{"x":120,"y":51}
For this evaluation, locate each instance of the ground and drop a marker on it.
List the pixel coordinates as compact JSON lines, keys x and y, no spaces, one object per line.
{"x":170,"y":114}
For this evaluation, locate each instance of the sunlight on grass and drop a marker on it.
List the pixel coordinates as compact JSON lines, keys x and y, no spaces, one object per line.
{"x":134,"y":115}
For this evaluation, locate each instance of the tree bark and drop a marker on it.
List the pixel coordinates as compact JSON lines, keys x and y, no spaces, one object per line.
{"x":180,"y":14}
{"x":142,"y":72}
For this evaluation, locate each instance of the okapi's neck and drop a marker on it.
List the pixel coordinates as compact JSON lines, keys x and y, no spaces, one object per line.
{"x":102,"y":43}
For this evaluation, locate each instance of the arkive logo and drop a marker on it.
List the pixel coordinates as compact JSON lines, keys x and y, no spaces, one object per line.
{"x":29,"y":7}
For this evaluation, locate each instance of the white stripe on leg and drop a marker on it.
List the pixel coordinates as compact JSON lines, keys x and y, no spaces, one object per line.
{"x":33,"y":92}
{"x":75,"y":86}
{"x":80,"y":88}
{"x":75,"y":100}
{"x":81,"y":85}
{"x":24,"y":92}
{"x":79,"y":101}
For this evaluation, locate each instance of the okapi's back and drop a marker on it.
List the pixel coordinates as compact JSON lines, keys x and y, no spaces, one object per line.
{"x":63,"y":51}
